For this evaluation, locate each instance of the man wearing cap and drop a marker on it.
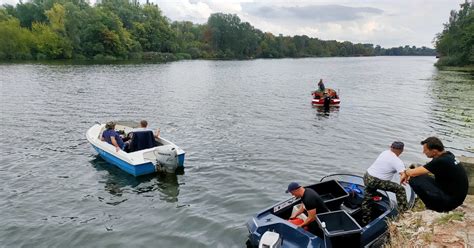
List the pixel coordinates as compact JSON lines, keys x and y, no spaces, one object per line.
{"x":312,"y":203}
{"x":379,"y":176}
{"x":112,"y":137}
{"x":448,"y":189}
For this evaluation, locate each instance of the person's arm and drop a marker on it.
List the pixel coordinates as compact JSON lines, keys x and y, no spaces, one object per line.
{"x":157,"y":133}
{"x":114,"y":143}
{"x":300,"y":211}
{"x":409,"y":173}
{"x":418,"y":171}
{"x":311,"y":217}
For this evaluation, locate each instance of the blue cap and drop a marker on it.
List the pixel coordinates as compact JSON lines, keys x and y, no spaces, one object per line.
{"x":292,"y":186}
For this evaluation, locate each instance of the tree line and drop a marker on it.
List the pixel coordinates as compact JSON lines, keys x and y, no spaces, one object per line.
{"x":455,"y":44}
{"x":123,"y":29}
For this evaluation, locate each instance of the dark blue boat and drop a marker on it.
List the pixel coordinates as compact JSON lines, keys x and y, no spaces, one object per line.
{"x":341,"y":227}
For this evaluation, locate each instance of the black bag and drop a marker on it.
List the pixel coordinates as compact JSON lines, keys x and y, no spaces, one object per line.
{"x":355,"y":198}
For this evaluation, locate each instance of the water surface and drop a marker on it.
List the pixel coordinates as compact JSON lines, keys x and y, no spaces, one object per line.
{"x":247,"y":127}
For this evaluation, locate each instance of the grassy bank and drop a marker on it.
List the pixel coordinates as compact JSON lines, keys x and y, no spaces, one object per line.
{"x":468,"y":68}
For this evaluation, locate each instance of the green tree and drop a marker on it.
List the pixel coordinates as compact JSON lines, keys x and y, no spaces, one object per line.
{"x":29,"y":12}
{"x":455,"y":44}
{"x":49,"y":44}
{"x":15,"y":41}
{"x":154,"y":32}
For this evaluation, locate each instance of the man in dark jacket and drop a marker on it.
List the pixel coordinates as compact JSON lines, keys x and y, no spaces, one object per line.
{"x":448,"y":188}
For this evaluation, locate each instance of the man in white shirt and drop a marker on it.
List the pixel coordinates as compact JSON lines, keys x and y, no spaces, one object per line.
{"x":379,"y":176}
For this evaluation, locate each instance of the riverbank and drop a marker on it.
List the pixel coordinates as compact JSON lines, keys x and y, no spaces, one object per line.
{"x":426,"y":228}
{"x":420,"y":227}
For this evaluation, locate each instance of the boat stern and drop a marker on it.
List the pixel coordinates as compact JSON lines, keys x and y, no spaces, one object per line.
{"x":268,"y":221}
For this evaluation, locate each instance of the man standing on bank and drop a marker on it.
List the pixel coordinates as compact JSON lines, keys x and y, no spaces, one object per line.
{"x":312,"y":203}
{"x":379,"y":176}
{"x":448,"y":189}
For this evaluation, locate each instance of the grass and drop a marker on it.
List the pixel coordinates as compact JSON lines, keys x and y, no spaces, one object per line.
{"x":428,"y":237}
{"x":419,"y":206}
{"x":455,"y":215}
{"x":417,"y":223}
{"x":468,"y":68}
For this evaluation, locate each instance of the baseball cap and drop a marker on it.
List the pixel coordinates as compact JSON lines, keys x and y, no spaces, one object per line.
{"x":292,"y":186}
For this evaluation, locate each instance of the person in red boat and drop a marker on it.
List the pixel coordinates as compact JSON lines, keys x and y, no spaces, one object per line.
{"x":321,"y":86}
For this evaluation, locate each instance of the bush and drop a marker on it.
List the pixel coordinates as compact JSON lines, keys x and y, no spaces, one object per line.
{"x":135,"y":55}
{"x":181,"y":56}
{"x":453,"y":60}
{"x":161,"y":57}
{"x":79,"y":57}
{"x":40,"y":56}
{"x":104,"y":57}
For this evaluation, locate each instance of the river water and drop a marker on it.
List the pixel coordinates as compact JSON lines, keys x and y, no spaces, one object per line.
{"x":247,"y":127}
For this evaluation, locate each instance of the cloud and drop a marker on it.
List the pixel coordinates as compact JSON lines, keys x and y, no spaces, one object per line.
{"x":319,"y":13}
{"x":183,"y":10}
{"x":197,"y":11}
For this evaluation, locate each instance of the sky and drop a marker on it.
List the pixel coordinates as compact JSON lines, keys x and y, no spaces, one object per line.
{"x":389,"y":23}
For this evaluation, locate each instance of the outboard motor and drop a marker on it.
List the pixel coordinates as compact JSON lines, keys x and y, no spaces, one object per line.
{"x":327,"y":102}
{"x":166,"y":158}
{"x":270,"y":240}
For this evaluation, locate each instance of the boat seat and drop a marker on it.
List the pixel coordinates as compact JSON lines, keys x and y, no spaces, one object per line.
{"x":142,"y":140}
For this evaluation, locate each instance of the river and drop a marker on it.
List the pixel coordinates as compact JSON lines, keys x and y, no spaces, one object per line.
{"x":248,"y":129}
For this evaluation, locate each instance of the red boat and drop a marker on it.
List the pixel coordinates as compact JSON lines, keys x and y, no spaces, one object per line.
{"x":319,"y":98}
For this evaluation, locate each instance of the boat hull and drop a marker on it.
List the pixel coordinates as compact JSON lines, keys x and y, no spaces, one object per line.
{"x":320,"y":102}
{"x":135,"y":170}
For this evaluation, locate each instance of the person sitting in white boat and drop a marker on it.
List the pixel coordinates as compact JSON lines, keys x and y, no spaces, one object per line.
{"x":112,"y":137}
{"x":312,"y":203}
{"x":142,"y":137}
{"x":144,"y":127}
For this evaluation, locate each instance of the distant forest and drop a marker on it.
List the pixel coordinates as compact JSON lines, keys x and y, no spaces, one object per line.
{"x":455,"y":44}
{"x":123,"y":29}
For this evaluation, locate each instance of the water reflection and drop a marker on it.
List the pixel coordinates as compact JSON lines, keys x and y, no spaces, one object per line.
{"x":118,"y":182}
{"x":452,"y":111}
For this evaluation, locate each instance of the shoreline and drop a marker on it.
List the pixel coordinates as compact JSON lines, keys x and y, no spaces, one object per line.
{"x":168,"y":59}
{"x":427,"y":228}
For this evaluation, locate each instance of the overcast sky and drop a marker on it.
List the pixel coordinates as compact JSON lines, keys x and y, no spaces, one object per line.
{"x":387,"y":23}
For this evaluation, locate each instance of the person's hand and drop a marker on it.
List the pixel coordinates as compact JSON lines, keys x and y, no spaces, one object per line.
{"x":117,"y":149}
{"x":404,"y":178}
